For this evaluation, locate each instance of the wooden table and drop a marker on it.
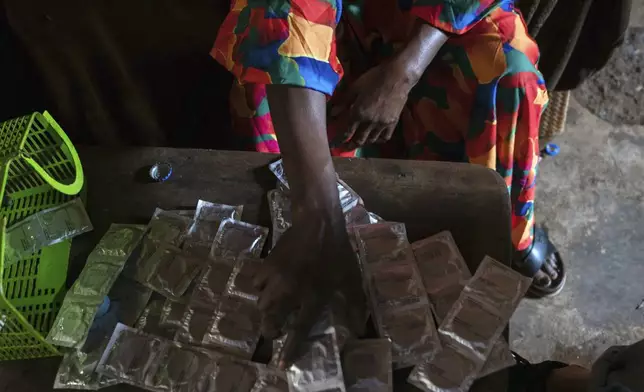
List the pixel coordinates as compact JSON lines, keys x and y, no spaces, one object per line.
{"x":470,"y":201}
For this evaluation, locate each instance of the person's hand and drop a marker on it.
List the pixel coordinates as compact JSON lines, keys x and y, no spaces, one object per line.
{"x":309,"y":263}
{"x":374,"y":103}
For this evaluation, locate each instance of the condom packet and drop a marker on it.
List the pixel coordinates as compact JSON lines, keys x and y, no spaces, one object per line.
{"x":383,"y":242}
{"x":269,"y":380}
{"x":235,"y":319}
{"x":213,"y":283}
{"x":484,"y":308}
{"x":238,"y":239}
{"x":150,"y":319}
{"x":104,"y":265}
{"x":168,"y":227}
{"x":348,"y":197}
{"x":366,"y":365}
{"x":77,"y":371}
{"x":279,"y":185}
{"x":207,"y":219}
{"x":319,"y":368}
{"x":195,"y":325}
{"x":472,"y":328}
{"x":157,"y":364}
{"x":133,"y":357}
{"x":399,"y":304}
{"x":277,"y":168}
{"x":334,"y":316}
{"x":412,"y":333}
{"x":394,"y":284}
{"x":165,"y":229}
{"x":45,"y":228}
{"x":445,"y":275}
{"x":169,"y":271}
{"x":128,"y":298}
{"x":474,"y":325}
{"x":500,"y":358}
{"x":498,"y":286}
{"x":450,"y":370}
{"x":440,"y":263}
{"x":357,"y":216}
{"x":234,"y":328}
{"x":240,"y":283}
{"x":280,"y":209}
{"x":131,"y":297}
{"x":234,"y":375}
{"x":444,"y":300}
{"x":228,"y":374}
{"x":172,"y":313}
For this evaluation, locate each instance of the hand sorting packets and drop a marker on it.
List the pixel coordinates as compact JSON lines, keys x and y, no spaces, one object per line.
{"x":299,"y":277}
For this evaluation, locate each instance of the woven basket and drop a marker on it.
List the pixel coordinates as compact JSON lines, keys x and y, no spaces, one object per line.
{"x":553,"y":120}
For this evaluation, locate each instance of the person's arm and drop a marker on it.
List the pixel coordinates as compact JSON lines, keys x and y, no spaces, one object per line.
{"x":314,"y":258}
{"x":299,"y":119}
{"x":377,"y":98}
{"x":419,"y":52}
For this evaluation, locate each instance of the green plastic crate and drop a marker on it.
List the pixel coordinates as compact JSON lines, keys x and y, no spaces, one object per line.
{"x":39,"y":169}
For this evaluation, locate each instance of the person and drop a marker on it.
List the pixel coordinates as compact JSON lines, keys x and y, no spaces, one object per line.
{"x":415,"y":79}
{"x":618,"y":369}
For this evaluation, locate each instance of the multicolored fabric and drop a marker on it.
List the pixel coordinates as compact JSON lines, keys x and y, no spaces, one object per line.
{"x":455,"y":17}
{"x":282,"y":42}
{"x":480,"y":101}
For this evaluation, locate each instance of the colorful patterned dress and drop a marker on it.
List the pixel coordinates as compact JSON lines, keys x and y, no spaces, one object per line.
{"x":480,"y":100}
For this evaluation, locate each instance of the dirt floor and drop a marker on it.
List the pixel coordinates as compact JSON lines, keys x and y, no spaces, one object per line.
{"x":591,"y":198}
{"x":621,"y":84}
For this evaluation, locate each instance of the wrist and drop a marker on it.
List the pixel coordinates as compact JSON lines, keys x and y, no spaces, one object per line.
{"x":419,"y":52}
{"x":406,"y":73}
{"x":321,"y":208}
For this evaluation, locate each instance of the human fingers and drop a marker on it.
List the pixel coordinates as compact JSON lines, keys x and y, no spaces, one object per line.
{"x":272,"y":323}
{"x":276,"y":303}
{"x":356,"y":301}
{"x":387,"y":134}
{"x":308,"y":315}
{"x":363,"y":134}
{"x":278,"y":289}
{"x":376,"y":134}
{"x":353,"y":128}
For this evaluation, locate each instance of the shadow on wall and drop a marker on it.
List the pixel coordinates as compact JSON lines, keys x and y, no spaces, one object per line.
{"x":118,"y":72}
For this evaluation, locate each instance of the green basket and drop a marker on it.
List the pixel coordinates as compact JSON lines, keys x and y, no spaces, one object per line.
{"x":39,"y":169}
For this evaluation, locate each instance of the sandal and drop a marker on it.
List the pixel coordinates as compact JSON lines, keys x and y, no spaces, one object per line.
{"x":526,"y":377}
{"x":543,"y":262}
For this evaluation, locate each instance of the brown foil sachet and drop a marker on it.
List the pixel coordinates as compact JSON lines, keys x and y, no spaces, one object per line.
{"x":399,"y":305}
{"x":472,"y":328}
